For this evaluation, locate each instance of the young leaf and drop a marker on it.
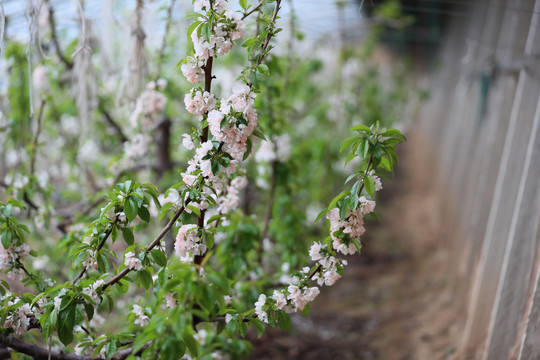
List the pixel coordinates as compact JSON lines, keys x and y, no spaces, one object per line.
{"x":128,"y":235}
{"x":159,"y":257}
{"x":361,"y":127}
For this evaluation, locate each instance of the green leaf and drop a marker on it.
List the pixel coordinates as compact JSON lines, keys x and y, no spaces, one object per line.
{"x":263,"y":69}
{"x":153,"y":192}
{"x":66,"y":322}
{"x":214,"y":218}
{"x":110,"y":349}
{"x":336,"y":199}
{"x":159,"y":257}
{"x":321,"y":214}
{"x":103,"y":262}
{"x":195,"y":209}
{"x":209,"y":239}
{"x":192,"y":345}
{"x":357,"y":246}
{"x":369,"y":185}
{"x":128,"y":235}
{"x":144,"y":278}
{"x":259,"y":325}
{"x":258,"y":133}
{"x":305,"y":312}
{"x":249,"y":146}
{"x":255,"y":79}
{"x":164,"y":210}
{"x":361,"y":127}
{"x":386,"y":164}
{"x":363,"y":150}
{"x":249,"y":43}
{"x":130,"y":208}
{"x":191,"y":28}
{"x":243,"y":4}
{"x":205,"y":32}
{"x":6,"y":239}
{"x":215,"y":167}
{"x":348,"y":142}
{"x":284,"y":320}
{"x":144,"y":214}
{"x":394,"y":133}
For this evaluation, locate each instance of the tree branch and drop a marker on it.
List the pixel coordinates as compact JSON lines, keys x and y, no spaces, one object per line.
{"x":36,"y":138}
{"x":111,"y":121}
{"x":253,"y":10}
{"x":54,"y":37}
{"x":39,"y":353}
{"x":152,"y":245}
{"x":100,"y":246}
{"x":270,"y":33}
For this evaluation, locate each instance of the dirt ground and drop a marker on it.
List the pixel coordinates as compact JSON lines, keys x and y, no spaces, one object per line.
{"x":393,"y":301}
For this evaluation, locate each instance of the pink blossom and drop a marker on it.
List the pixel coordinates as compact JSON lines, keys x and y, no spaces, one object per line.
{"x":193,"y":70}
{"x":140,"y":316}
{"x":188,"y":242}
{"x":315,"y":251}
{"x":131,"y":261}
{"x":187,"y":142}
{"x":261,"y":314}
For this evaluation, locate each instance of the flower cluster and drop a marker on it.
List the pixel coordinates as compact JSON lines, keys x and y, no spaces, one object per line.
{"x":352,"y":225}
{"x":232,"y":198}
{"x":10,"y":257}
{"x":198,"y":102}
{"x":140,"y":316}
{"x":149,"y":105}
{"x":19,"y":319}
{"x":235,"y":121}
{"x":300,"y":296}
{"x":330,"y":271}
{"x":376,"y":180}
{"x":261,"y":314}
{"x":228,"y":27}
{"x":187,"y":243}
{"x":343,"y":233}
{"x":132,"y":261}
{"x":90,"y":260}
{"x":91,"y":290}
{"x":193,"y":70}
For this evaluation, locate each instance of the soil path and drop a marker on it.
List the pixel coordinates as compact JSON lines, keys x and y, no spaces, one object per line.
{"x":392,"y":302}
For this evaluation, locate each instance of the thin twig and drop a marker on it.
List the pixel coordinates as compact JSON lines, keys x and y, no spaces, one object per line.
{"x":100,"y":246}
{"x":253,"y":10}
{"x":270,"y":33}
{"x":54,"y":37}
{"x":152,"y":245}
{"x":111,"y":122}
{"x":36,"y":138}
